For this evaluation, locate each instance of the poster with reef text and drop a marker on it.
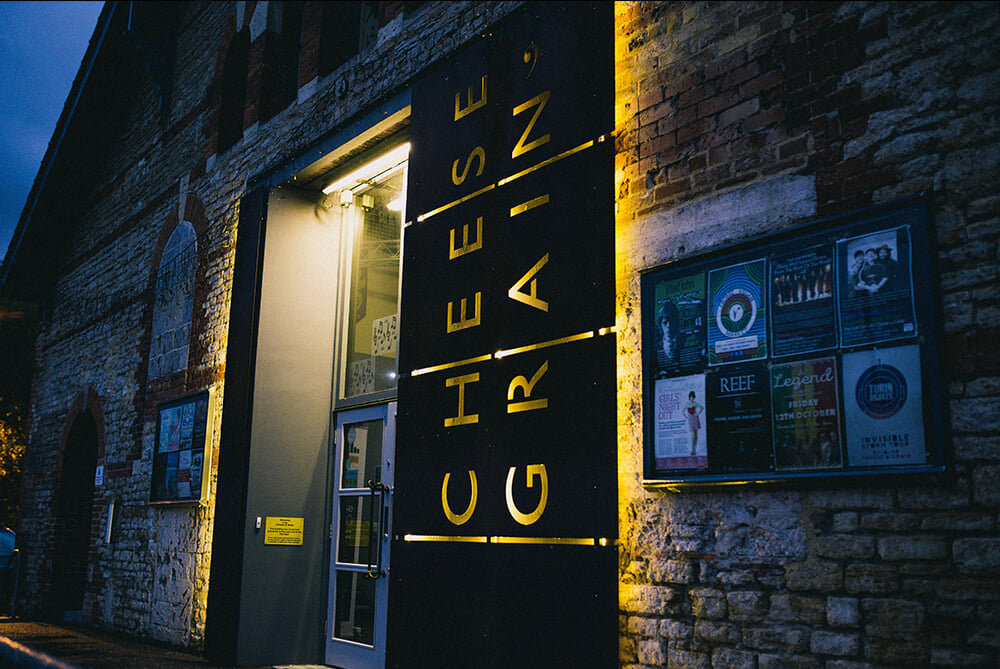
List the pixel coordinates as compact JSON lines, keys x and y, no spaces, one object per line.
{"x":806,"y":414}
{"x":680,"y":440}
{"x":739,"y":426}
{"x":883,"y":407}
{"x":876,"y":287}
{"x":680,"y":324}
{"x":737,"y":316}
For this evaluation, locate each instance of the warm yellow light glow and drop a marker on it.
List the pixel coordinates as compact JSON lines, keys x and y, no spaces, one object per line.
{"x":384,"y":162}
{"x":564,"y":541}
{"x":444,"y":539}
{"x":450,"y":365}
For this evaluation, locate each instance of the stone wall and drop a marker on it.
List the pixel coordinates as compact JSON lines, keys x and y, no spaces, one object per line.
{"x":736,"y":119}
{"x":151,"y":580}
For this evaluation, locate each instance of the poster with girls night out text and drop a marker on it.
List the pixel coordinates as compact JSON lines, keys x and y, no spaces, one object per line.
{"x":875,"y":287}
{"x":679,"y":423}
{"x":737,"y":315}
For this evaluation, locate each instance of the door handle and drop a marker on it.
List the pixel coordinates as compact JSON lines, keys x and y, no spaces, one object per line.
{"x":375,"y":570}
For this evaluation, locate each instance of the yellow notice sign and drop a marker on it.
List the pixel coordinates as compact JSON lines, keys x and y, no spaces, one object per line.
{"x":283,"y":531}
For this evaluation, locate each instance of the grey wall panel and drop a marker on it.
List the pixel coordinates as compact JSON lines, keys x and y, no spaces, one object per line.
{"x":283,"y":587}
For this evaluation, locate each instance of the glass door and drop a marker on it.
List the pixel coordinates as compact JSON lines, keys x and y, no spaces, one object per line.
{"x":359,"y":550}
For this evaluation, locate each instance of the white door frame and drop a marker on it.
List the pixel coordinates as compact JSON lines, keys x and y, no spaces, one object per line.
{"x":341,"y":652}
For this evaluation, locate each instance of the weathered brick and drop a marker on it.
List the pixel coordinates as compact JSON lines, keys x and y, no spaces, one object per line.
{"x":821,"y":576}
{"x":871,"y":578}
{"x":717,"y":632}
{"x":842,"y":611}
{"x":727,"y":658}
{"x":796,"y":609}
{"x":977,"y":555}
{"x":747,"y":605}
{"x":844,"y":546}
{"x":646,"y":599}
{"x":685,"y":659}
{"x":708,"y":603}
{"x":651,"y":651}
{"x":834,"y":643}
{"x":912,"y":548}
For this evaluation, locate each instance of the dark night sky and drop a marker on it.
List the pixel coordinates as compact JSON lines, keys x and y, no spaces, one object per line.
{"x":41,"y":47}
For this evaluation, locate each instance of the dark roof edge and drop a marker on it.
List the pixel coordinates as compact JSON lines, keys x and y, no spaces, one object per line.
{"x":52,"y":152}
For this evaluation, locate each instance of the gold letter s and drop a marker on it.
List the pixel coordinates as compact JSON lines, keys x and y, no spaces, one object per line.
{"x":477,"y":152}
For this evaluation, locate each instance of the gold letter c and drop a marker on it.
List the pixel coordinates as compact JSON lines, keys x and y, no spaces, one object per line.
{"x":452,"y":516}
{"x":532,"y":472}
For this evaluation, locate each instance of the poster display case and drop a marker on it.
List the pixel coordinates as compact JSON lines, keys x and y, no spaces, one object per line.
{"x":807,"y":353}
{"x":183,"y":451}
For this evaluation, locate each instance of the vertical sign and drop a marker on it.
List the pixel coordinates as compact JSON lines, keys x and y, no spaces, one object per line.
{"x":506,"y":485}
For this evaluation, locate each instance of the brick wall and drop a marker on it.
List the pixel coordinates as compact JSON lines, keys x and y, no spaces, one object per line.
{"x":152,"y":579}
{"x":736,"y":119}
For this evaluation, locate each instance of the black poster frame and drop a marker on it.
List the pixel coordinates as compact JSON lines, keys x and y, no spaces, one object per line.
{"x":193,"y":414}
{"x":720,"y":325}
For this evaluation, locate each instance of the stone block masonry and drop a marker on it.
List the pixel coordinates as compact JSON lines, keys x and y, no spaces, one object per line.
{"x":739,"y":119}
{"x":163,"y":172}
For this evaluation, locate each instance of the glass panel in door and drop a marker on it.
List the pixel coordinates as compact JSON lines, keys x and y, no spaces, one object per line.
{"x":360,"y":544}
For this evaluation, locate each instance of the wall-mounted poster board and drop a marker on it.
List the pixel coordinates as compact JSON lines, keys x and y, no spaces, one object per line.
{"x":808,"y":353}
{"x":183,"y":450}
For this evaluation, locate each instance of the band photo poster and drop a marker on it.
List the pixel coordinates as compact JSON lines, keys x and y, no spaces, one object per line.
{"x":797,"y":355}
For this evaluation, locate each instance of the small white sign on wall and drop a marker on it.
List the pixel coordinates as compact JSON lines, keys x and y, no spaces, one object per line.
{"x":99,"y":476}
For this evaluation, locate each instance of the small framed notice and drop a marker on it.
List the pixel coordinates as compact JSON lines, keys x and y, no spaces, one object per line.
{"x":808,"y":353}
{"x":283,"y":531}
{"x":182,"y":456}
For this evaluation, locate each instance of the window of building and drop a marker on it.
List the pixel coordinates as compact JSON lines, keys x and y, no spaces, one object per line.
{"x":280,"y":71}
{"x":340,"y":34}
{"x":234,"y":90}
{"x":373,"y":199}
{"x":173,"y":302}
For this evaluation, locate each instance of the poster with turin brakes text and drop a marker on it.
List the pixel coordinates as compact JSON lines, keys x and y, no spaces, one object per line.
{"x":883,"y":407}
{"x":737,"y":315}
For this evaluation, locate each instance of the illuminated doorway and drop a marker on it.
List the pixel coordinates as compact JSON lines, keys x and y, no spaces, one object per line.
{"x":372,"y":198}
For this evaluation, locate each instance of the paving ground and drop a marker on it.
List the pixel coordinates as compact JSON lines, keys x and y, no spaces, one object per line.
{"x":88,"y":649}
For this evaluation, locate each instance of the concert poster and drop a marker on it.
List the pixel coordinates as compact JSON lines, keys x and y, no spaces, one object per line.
{"x":806,"y":415}
{"x":803,"y":312}
{"x":875,"y":287}
{"x":737,"y":316}
{"x":739,"y":430}
{"x":679,"y":439}
{"x":680,"y":325}
{"x":883,"y":407}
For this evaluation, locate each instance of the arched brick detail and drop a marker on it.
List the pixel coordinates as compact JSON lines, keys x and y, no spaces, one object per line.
{"x":215,"y":91}
{"x":85,"y":400}
{"x":176,"y":382}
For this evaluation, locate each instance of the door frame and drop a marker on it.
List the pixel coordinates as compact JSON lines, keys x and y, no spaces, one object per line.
{"x":341,"y":652}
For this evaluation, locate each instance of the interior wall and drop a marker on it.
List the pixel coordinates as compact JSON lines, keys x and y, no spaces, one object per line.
{"x":283,"y":587}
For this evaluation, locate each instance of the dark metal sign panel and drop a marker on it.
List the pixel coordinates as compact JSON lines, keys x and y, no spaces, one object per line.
{"x":506,"y":480}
